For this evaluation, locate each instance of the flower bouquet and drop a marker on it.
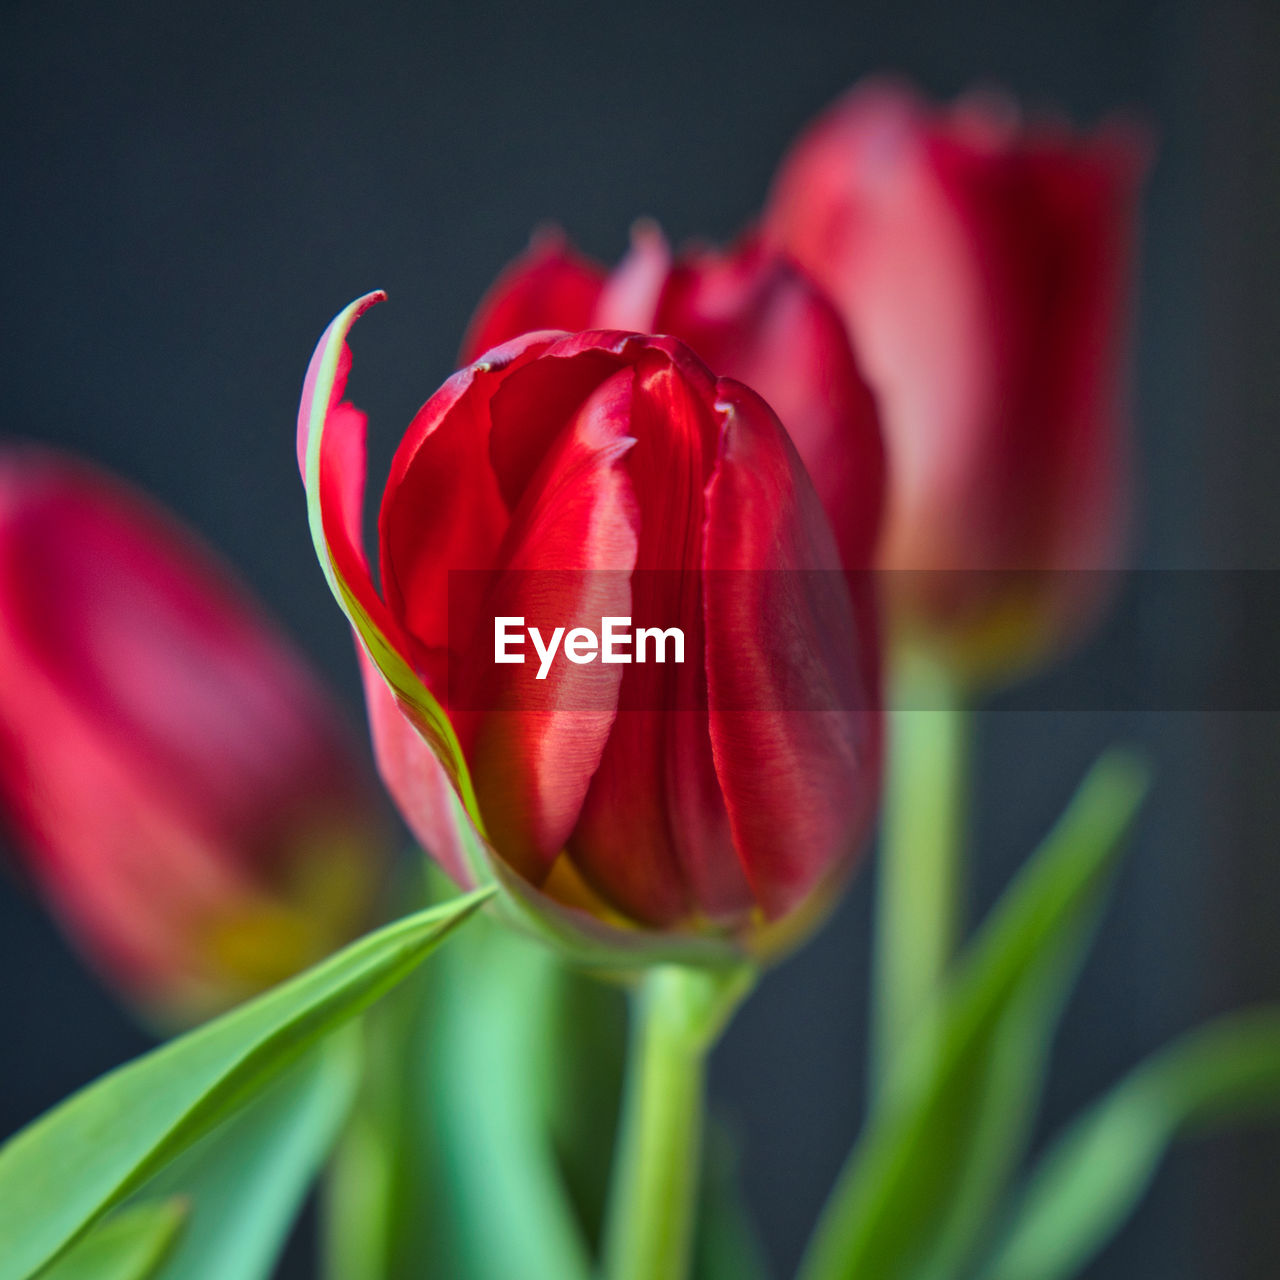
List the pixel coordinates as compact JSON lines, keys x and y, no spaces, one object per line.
{"x":687,"y":559}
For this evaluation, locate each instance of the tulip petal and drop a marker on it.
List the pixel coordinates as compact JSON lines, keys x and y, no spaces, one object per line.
{"x":756,"y":317}
{"x":566,"y":562}
{"x":442,"y":511}
{"x":336,"y":542}
{"x":548,"y":287}
{"x":656,"y":778}
{"x":793,"y":726}
{"x":597,"y":938}
{"x":420,"y":786}
{"x":531,"y":407}
{"x":630,"y":297}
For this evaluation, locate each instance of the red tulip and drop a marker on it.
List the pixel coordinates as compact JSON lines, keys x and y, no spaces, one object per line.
{"x":178,"y":783}
{"x":983,"y":267}
{"x":563,"y":480}
{"x":751,"y":314}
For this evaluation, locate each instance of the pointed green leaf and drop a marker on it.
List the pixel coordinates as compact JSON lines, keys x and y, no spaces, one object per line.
{"x":1093,"y":1177}
{"x":246,"y":1181}
{"x":493,"y":1075}
{"x":130,"y":1245}
{"x":936,"y":1148}
{"x":66,"y":1169}
{"x":378,"y":1209}
{"x":493,"y":1018}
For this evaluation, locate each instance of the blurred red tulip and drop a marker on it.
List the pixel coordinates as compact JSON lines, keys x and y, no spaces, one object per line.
{"x":748,"y":313}
{"x":572,"y":478}
{"x":178,"y":783}
{"x":983,"y":266}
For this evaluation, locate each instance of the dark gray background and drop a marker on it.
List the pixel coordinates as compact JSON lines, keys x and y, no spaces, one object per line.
{"x":191,"y":191}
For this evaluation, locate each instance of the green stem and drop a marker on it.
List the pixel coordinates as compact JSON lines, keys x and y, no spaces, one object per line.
{"x":921,"y":876}
{"x":679,"y":1014}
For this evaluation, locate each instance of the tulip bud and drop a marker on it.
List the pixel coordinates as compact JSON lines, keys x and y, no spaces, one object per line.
{"x":176,"y":780}
{"x":693,"y":806}
{"x":749,"y":313}
{"x":983,"y":267}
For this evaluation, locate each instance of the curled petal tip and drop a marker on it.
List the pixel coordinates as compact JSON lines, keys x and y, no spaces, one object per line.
{"x":645,"y":231}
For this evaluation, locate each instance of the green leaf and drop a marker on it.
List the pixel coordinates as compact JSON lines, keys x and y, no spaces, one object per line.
{"x":246,"y":1181}
{"x":1093,"y":1177}
{"x":726,"y":1246}
{"x":130,"y":1245}
{"x":492,"y":1077}
{"x":66,"y":1169}
{"x":494,"y":1018}
{"x":939,"y":1144}
{"x":583,"y":1055}
{"x":379,"y":1209}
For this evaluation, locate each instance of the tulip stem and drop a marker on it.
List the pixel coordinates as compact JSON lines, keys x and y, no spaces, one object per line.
{"x":921,"y":874}
{"x":679,"y":1014}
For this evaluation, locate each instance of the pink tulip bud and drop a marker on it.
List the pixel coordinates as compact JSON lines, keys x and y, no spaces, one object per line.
{"x":983,"y":265}
{"x":179,"y":786}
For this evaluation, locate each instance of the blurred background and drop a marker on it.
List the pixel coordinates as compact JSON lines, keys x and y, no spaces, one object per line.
{"x":192,"y":191}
